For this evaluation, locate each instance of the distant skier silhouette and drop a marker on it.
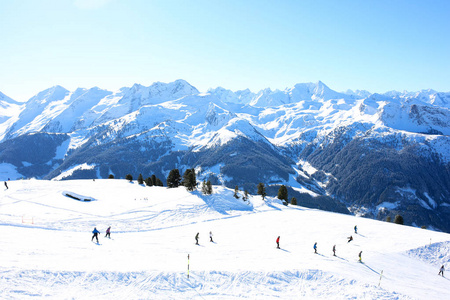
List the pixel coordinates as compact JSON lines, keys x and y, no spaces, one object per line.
{"x":356,"y":229}
{"x":441,"y":271}
{"x":278,"y":242}
{"x":196,"y":238}
{"x":315,"y":247}
{"x":6,"y":185}
{"x":360,"y":256}
{"x":350,"y":238}
{"x":334,"y":250}
{"x":210,"y":237}
{"x":95,"y":234}
{"x":108,"y":232}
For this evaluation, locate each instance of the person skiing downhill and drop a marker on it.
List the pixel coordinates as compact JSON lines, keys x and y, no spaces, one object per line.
{"x":6,"y":185}
{"x":278,"y":242}
{"x":95,"y":234}
{"x":196,"y":238}
{"x":356,"y":229}
{"x":210,"y":237}
{"x":108,"y":232}
{"x":441,"y":271}
{"x":350,"y":238}
{"x":360,"y":256}
{"x":334,"y":250}
{"x":315,"y":247}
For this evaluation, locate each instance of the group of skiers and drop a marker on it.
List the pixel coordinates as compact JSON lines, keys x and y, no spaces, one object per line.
{"x":350,"y":238}
{"x":95,"y":233}
{"x":198,"y":234}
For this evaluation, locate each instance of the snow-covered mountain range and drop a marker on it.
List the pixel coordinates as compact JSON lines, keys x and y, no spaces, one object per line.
{"x":374,"y":155}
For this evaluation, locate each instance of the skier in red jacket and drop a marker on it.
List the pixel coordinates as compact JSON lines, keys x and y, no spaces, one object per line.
{"x":278,"y":242}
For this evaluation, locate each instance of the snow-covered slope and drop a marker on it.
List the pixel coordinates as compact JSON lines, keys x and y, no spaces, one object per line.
{"x":46,"y":248}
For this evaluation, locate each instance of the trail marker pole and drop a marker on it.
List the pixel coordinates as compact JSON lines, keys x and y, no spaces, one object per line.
{"x":381,"y":275}
{"x":188,"y":265}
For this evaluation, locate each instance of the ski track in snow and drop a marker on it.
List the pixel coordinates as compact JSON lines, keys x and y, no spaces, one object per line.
{"x":46,"y":251}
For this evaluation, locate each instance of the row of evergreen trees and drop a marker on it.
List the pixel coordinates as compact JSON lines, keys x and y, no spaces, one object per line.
{"x":189,"y":181}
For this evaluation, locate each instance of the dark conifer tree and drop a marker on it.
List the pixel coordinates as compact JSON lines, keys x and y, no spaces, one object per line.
{"x":209,"y":188}
{"x":398,"y":220}
{"x":204,"y":188}
{"x":111,"y":176}
{"x":174,"y":179}
{"x":189,"y":180}
{"x":294,"y":201}
{"x":158,"y":182}
{"x":262,"y":190}
{"x":129,"y":177}
{"x":154,"y":180}
{"x":283,"y":193}
{"x":236,"y":191}
{"x":140,"y":179}
{"x":148,"y":181}
{"x":245,"y":195}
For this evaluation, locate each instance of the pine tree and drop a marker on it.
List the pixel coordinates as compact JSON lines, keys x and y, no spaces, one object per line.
{"x":158,"y":182}
{"x":245,"y":195}
{"x":204,"y":188}
{"x":398,"y":220}
{"x":148,"y":181}
{"x":129,"y":177}
{"x":388,"y":219}
{"x":140,"y":179}
{"x":294,"y":201}
{"x":111,"y":176}
{"x":209,"y":188}
{"x":236,"y":191}
{"x":283,"y":193}
{"x":189,"y":180}
{"x":154,"y":180}
{"x":174,"y":178}
{"x":262,"y":190}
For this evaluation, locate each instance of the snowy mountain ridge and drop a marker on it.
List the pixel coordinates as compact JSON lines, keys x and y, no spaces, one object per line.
{"x":377,"y":143}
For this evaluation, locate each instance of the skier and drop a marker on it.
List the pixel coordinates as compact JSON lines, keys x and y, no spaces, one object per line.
{"x":356,"y":229}
{"x":315,"y":247}
{"x":334,"y":250}
{"x":360,"y":256}
{"x":441,"y":271}
{"x":196,"y":238}
{"x":6,"y":185}
{"x":350,"y":238}
{"x":95,"y":232}
{"x":210,"y":237}
{"x":108,"y":232}
{"x":278,"y":242}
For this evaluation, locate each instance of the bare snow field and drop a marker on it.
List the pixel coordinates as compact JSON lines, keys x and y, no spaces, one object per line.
{"x":46,"y":248}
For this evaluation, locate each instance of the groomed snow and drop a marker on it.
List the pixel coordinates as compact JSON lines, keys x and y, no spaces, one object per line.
{"x":46,"y":249}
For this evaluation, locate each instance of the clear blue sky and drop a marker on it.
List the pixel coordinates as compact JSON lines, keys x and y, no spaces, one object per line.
{"x":377,"y":45}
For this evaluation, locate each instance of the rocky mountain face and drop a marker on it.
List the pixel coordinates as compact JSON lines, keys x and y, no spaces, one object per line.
{"x":374,"y":155}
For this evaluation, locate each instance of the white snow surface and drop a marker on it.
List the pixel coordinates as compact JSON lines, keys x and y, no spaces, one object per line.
{"x":46,"y":249}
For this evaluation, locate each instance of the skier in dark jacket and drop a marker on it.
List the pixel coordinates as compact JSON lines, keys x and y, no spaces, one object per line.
{"x":356,"y":229}
{"x":210,"y":237}
{"x":95,"y":234}
{"x":6,"y":185}
{"x":360,"y":256}
{"x":278,"y":242}
{"x":108,"y":232}
{"x":334,"y":250}
{"x":350,"y":238}
{"x":441,"y":271}
{"x":196,"y":238}
{"x":315,"y":247}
